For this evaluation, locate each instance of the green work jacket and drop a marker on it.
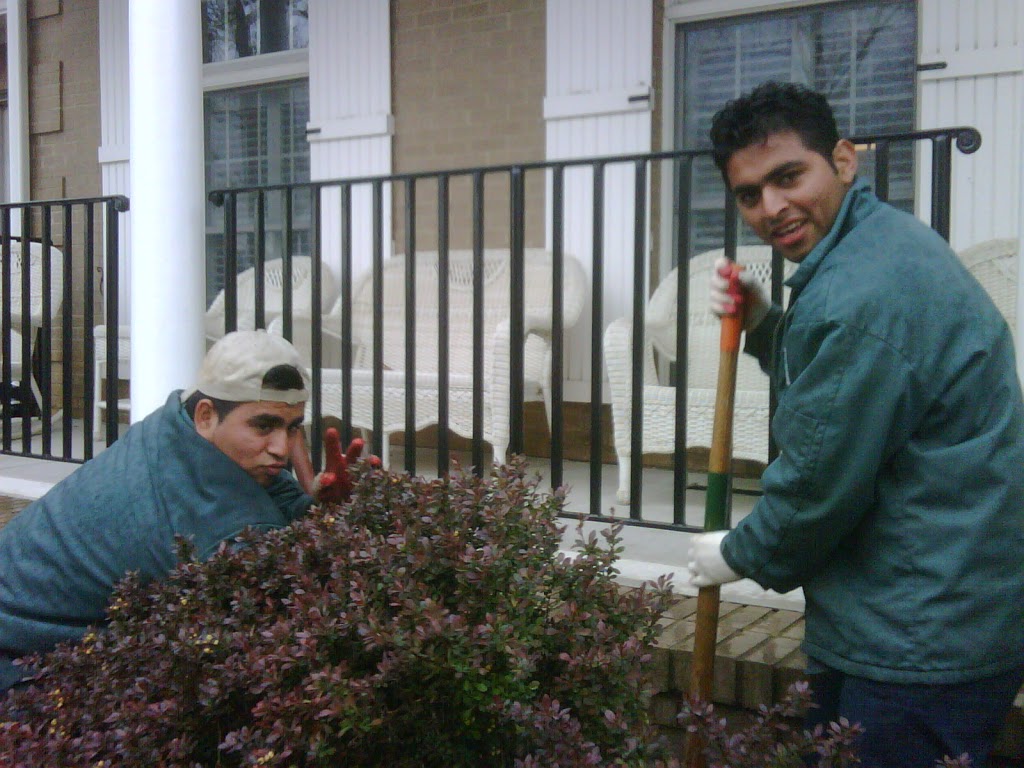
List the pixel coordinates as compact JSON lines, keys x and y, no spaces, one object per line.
{"x":897,"y":498}
{"x":61,"y":556}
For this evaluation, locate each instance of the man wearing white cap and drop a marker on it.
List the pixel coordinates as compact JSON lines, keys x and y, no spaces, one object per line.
{"x":208,"y":464}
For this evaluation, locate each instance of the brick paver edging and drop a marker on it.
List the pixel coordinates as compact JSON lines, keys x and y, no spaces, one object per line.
{"x":757,"y":658}
{"x":758,"y":654}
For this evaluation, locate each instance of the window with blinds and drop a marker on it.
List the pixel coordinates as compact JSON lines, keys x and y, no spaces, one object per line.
{"x":862,"y":55}
{"x":254,"y":136}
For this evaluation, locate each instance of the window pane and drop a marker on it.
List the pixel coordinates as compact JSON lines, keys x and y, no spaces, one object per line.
{"x":244,"y":22}
{"x":234,"y":29}
{"x":274,"y":26}
{"x":300,"y":24}
{"x":862,"y":55}
{"x":256,"y":136}
{"x":214,"y":29}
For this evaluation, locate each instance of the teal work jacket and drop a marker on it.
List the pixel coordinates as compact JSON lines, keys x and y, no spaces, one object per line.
{"x":61,"y":556}
{"x":897,"y":498}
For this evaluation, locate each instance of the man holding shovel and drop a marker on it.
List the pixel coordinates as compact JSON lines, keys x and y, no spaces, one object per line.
{"x":897,"y":498}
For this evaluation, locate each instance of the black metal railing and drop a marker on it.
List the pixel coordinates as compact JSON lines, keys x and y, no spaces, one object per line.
{"x":50,"y":300}
{"x":519,"y":213}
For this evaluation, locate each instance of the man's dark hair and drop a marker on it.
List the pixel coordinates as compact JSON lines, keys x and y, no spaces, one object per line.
{"x":280,"y":377}
{"x":769,"y":109}
{"x":283,"y":378}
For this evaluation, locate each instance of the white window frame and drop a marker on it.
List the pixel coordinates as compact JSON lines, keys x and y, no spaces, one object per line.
{"x":272,"y":157}
{"x":4,"y":161}
{"x":248,"y":71}
{"x":682,"y":12}
{"x":262,"y":69}
{"x":256,"y":70}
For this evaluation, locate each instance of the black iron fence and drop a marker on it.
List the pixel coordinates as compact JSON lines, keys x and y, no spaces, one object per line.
{"x":58,"y":280}
{"x":514,"y":207}
{"x":626,"y":220}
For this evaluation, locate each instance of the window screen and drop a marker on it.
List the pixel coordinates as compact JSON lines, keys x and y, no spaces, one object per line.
{"x":862,"y":55}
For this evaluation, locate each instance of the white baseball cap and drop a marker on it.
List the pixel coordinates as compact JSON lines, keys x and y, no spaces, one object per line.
{"x":234,"y":368}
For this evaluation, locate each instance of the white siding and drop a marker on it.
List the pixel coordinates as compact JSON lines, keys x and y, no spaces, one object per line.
{"x":599,"y":55}
{"x":350,"y":124}
{"x":597,"y":46}
{"x":114,"y":130}
{"x":981,"y":42}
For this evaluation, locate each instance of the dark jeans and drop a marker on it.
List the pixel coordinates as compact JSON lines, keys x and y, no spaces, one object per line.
{"x":912,"y":726}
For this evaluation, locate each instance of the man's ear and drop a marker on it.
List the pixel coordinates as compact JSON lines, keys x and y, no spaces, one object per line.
{"x":206,"y":418}
{"x":844,"y":158}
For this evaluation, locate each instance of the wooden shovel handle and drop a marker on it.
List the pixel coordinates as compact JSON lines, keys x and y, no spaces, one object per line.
{"x":702,"y":665}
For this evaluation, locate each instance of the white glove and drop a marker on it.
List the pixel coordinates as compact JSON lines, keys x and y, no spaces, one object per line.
{"x":707,"y":565}
{"x":754,"y":295}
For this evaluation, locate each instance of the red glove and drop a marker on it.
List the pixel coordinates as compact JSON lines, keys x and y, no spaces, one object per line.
{"x":735,"y":290}
{"x":334,"y":484}
{"x":731,"y":288}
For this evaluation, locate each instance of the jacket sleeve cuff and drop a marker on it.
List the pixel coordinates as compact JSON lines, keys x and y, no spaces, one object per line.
{"x":764,"y":577}
{"x":729,"y":557}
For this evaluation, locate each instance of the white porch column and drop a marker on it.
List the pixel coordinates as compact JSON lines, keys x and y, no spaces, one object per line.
{"x":18,"y":188}
{"x":1020,"y":224}
{"x":167,"y":204}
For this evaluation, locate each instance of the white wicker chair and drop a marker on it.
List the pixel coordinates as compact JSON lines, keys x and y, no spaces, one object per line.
{"x":496,"y":332}
{"x":100,"y":371}
{"x":995,"y":264}
{"x":273,"y":283}
{"x":750,"y":430}
{"x":36,"y":309}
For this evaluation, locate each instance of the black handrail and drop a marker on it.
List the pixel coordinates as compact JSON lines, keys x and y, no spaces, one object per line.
{"x":966,"y":138}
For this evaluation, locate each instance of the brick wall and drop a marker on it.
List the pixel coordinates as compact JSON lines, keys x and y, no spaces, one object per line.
{"x":64,"y":97}
{"x":468,"y":90}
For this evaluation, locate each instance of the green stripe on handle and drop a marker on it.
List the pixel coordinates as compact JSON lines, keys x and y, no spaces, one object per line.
{"x":716,"y":507}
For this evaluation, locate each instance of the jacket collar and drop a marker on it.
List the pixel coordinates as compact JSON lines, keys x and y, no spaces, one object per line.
{"x":858,"y":204}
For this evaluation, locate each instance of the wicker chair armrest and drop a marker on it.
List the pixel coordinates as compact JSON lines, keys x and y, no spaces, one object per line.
{"x":618,"y":357}
{"x":498,"y":357}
